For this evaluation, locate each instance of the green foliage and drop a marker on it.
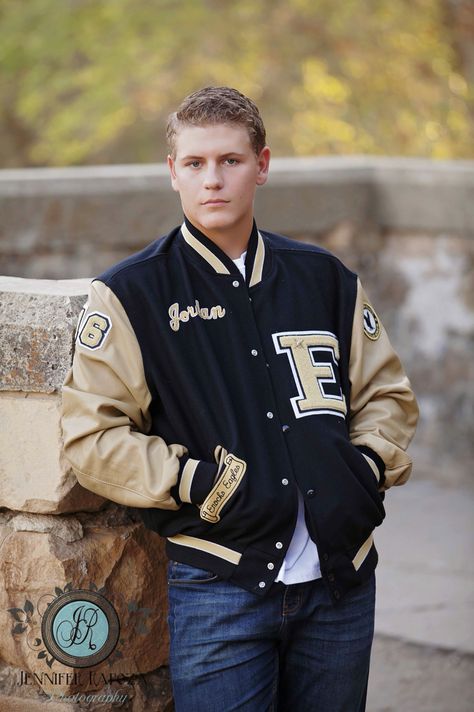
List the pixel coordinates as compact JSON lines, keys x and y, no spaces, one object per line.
{"x":92,"y":81}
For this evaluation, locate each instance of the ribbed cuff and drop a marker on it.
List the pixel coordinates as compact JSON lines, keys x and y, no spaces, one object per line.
{"x":195,"y":480}
{"x":377,"y":460}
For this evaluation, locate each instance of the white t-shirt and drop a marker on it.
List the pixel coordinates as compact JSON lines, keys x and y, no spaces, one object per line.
{"x":301,"y":562}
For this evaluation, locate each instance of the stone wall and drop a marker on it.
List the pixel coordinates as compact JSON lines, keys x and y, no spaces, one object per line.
{"x":56,"y":538}
{"x":405,"y":226}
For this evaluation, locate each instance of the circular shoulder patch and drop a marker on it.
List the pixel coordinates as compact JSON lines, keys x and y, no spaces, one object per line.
{"x":371,"y":323}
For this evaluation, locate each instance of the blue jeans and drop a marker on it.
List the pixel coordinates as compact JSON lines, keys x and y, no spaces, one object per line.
{"x":293,"y":651}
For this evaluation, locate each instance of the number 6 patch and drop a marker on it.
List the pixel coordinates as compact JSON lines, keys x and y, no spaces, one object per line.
{"x":95,"y":330}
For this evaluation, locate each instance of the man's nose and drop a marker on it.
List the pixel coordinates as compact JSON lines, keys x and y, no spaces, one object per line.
{"x":212,"y":177}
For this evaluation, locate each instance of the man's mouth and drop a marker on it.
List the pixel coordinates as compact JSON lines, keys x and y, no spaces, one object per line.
{"x":215,"y":201}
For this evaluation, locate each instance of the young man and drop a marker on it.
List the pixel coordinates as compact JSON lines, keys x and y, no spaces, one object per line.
{"x":239,"y":388}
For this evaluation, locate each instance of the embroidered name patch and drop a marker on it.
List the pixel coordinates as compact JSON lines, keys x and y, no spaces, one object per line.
{"x":371,"y":323}
{"x":178,"y":315}
{"x":224,"y":488}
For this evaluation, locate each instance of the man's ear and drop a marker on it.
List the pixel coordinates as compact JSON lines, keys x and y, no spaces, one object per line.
{"x":263,"y":162}
{"x":171,"y":166}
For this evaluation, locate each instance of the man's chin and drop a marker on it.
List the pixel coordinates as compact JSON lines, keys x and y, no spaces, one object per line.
{"x":216,"y":222}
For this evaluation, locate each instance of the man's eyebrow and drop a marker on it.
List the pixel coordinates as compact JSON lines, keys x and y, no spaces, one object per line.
{"x":200,"y":158}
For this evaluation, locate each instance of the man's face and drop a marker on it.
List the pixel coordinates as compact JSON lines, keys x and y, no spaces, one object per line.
{"x":216,"y":172}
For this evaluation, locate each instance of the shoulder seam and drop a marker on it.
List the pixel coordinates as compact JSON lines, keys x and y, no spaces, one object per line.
{"x":318,"y":252}
{"x":128,"y":267}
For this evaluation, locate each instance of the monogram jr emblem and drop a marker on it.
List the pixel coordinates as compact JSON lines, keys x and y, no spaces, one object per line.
{"x":80,"y":628}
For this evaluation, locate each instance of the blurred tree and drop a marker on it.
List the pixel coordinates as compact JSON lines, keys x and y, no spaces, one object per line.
{"x":92,"y":81}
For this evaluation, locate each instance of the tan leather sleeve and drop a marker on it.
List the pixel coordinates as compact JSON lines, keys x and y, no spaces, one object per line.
{"x":384,"y":411}
{"x":105,"y":417}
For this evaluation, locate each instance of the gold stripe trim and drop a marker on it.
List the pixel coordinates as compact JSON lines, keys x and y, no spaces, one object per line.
{"x":208,"y":546}
{"x":361,"y":555}
{"x":203,"y":251}
{"x":257,"y":270}
{"x":187,"y":479}
{"x":373,"y":466}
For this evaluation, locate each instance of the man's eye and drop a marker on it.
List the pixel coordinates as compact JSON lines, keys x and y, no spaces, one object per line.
{"x":231,"y":161}
{"x":194,"y":164}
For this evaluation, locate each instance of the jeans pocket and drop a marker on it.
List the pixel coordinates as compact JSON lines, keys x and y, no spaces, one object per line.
{"x":179,"y":573}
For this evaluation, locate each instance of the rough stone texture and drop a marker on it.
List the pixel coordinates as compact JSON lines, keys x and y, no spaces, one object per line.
{"x":34,"y":475}
{"x":68,"y":529}
{"x":39,"y":552}
{"x":37,"y":323}
{"x":126,"y":560}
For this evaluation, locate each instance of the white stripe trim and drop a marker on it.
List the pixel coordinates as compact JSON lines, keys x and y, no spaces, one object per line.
{"x":187,"y":480}
{"x":259,"y":260}
{"x":373,"y":466}
{"x":203,"y":251}
{"x":361,"y":555}
{"x":208,"y":546}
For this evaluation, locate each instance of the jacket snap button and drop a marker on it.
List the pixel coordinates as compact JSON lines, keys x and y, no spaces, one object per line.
{"x":235,"y":283}
{"x":310,"y":493}
{"x":262,"y":584}
{"x":270,"y":566}
{"x":284,"y":481}
{"x":285,"y":428}
{"x":254,"y":352}
{"x":279,"y":545}
{"x":270,"y":414}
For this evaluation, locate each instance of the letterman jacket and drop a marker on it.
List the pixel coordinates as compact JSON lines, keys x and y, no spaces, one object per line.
{"x":205,"y":400}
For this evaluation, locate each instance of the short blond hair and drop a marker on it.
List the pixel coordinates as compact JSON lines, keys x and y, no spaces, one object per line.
{"x":217,"y":105}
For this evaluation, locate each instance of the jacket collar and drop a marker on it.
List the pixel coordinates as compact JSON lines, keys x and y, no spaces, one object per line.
{"x":217,"y":260}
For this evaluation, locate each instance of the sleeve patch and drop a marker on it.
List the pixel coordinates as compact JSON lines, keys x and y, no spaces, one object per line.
{"x":371,"y":323}
{"x":93,"y":330}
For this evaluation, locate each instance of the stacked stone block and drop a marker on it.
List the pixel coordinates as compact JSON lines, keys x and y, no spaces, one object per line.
{"x":56,"y":536}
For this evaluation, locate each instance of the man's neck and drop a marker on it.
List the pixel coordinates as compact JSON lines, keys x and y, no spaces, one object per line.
{"x":233,"y":242}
